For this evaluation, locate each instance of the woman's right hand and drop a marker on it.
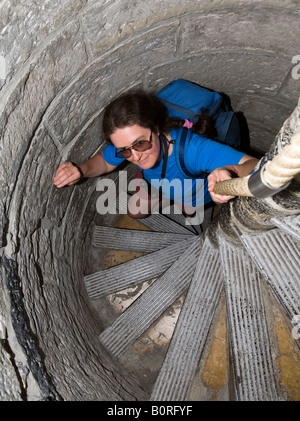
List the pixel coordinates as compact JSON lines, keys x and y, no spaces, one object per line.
{"x":66,"y":175}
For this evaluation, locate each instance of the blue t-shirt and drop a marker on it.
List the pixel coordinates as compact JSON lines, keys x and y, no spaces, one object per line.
{"x":204,"y":155}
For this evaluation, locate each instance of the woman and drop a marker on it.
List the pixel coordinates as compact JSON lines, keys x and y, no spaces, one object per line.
{"x":138,"y":129}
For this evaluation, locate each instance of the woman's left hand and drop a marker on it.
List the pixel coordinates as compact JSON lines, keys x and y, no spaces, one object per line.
{"x":242,"y":169}
{"x":219,"y":174}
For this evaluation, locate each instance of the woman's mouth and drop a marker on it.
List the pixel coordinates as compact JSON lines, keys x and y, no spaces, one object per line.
{"x":144,"y":161}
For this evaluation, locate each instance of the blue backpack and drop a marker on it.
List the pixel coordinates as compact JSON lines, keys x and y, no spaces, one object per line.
{"x":186,"y":100}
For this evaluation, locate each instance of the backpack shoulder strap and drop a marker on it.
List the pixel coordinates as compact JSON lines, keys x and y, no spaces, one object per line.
{"x":182,"y":140}
{"x":182,"y":110}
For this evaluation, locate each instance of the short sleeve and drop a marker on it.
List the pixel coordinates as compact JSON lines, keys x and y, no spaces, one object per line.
{"x":206,"y":155}
{"x":109,"y":155}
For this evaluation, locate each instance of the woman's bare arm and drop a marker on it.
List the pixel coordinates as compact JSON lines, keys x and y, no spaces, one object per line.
{"x":67,"y":174}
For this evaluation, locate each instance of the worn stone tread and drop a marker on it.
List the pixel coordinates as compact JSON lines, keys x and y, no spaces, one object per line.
{"x":129,"y":274}
{"x":254,"y":377}
{"x":134,"y":321}
{"x":289,"y":224}
{"x":134,"y":240}
{"x":179,"y":367}
{"x":277,"y":255}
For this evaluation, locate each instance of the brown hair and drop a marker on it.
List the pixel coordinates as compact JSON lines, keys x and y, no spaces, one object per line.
{"x":146,"y":110}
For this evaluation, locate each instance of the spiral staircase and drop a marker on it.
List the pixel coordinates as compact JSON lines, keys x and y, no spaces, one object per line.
{"x":205,"y":266}
{"x":243,"y":258}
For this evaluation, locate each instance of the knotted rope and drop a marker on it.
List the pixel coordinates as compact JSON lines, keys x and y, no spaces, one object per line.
{"x":268,"y":180}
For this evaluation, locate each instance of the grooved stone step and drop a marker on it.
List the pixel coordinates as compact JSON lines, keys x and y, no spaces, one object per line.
{"x":158,"y":222}
{"x":134,"y":321}
{"x":277,"y":256}
{"x":248,"y":332}
{"x":135,"y":271}
{"x":180,"y":365}
{"x":177,"y":223}
{"x":134,"y":240}
{"x":290,"y":224}
{"x":204,"y":218}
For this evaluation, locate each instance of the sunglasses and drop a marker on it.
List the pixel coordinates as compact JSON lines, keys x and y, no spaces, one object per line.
{"x":139,"y":146}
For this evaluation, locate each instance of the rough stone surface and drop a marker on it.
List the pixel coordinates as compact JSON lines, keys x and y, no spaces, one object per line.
{"x":60,"y":63}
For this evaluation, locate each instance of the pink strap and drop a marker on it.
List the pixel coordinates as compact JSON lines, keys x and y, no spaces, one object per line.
{"x":188,"y":124}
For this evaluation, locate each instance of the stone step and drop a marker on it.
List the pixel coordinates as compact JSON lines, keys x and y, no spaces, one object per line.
{"x":289,"y":224}
{"x":129,"y":274}
{"x":277,"y":255}
{"x":134,"y":321}
{"x":171,"y":223}
{"x":134,"y":240}
{"x":164,"y":223}
{"x":254,"y":377}
{"x":174,"y":222}
{"x":175,"y":215}
{"x":184,"y":352}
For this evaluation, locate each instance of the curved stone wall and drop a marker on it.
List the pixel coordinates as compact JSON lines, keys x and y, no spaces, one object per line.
{"x":60,"y":64}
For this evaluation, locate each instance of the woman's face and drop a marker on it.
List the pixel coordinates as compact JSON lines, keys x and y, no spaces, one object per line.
{"x":126,"y":137}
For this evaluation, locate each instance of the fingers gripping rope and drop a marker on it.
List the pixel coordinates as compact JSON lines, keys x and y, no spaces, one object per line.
{"x":273,"y":177}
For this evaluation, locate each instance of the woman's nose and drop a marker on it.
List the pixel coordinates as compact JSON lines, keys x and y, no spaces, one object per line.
{"x":135,"y":155}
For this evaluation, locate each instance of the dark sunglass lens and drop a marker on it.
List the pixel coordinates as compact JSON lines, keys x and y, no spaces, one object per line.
{"x":126,"y":153}
{"x":142,"y":146}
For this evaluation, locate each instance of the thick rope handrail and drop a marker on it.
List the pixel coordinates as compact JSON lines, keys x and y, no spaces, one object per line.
{"x":274,"y":176}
